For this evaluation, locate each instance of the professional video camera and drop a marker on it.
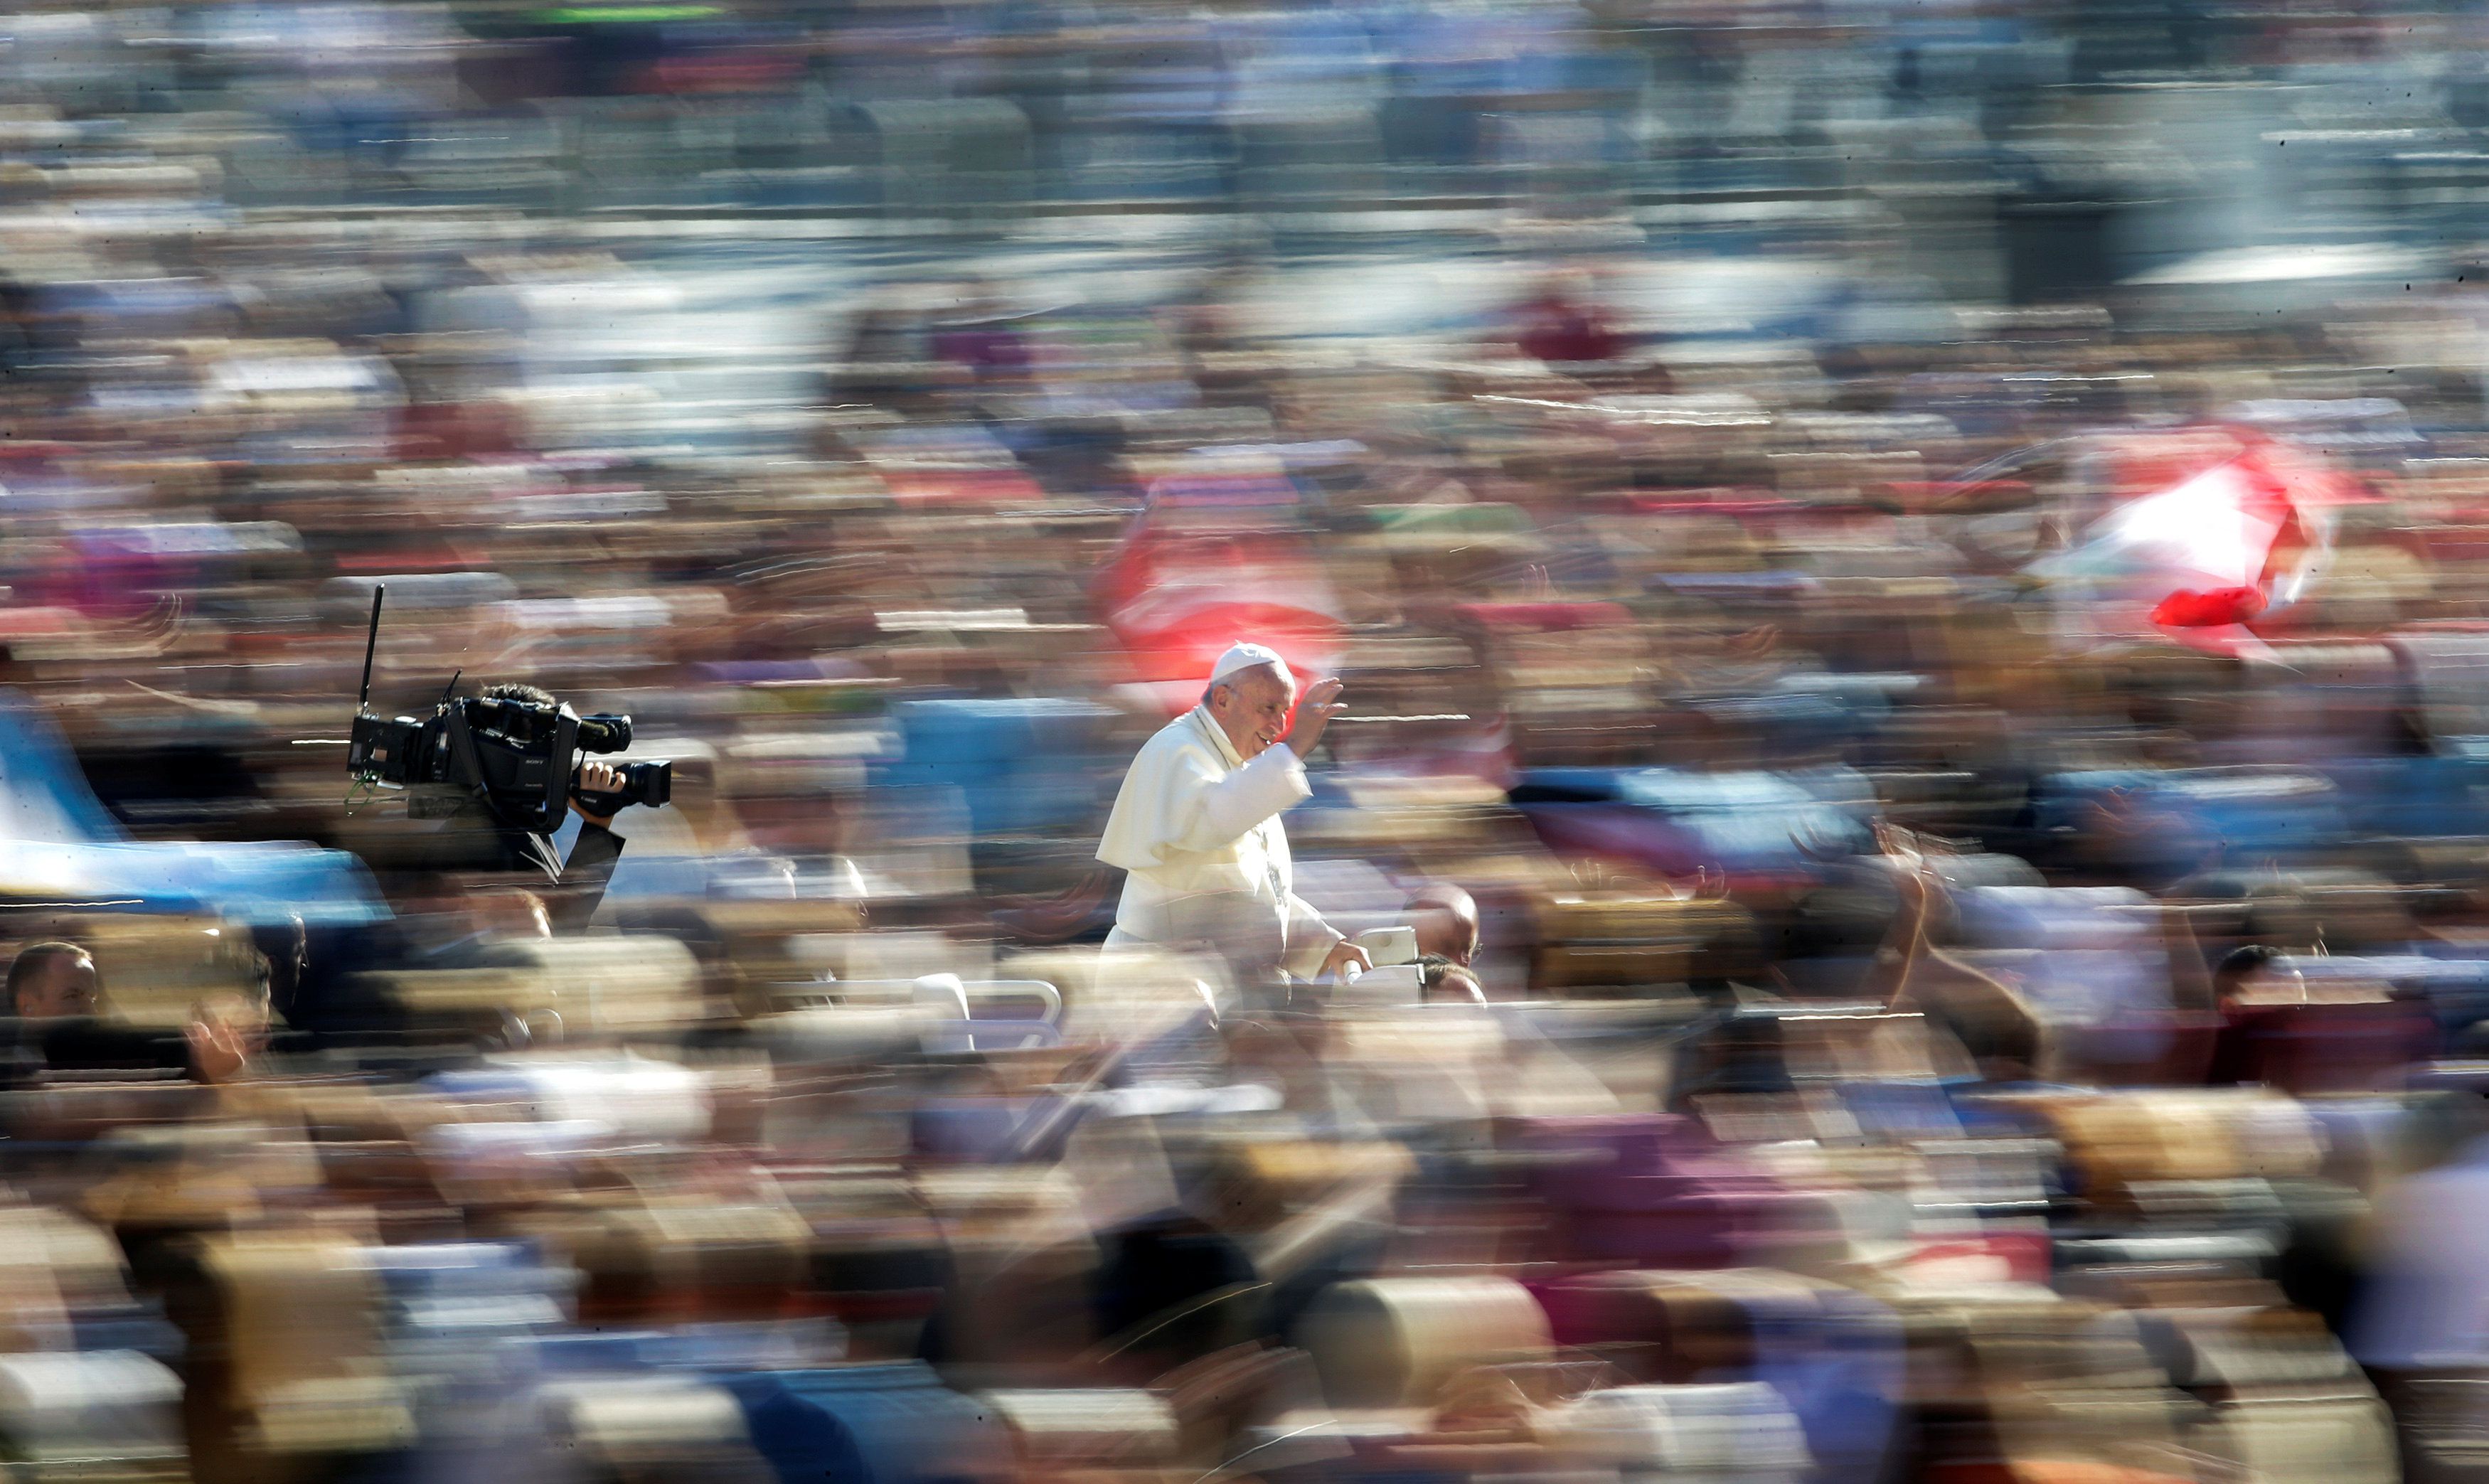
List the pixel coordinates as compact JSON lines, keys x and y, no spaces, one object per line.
{"x":520,"y":756}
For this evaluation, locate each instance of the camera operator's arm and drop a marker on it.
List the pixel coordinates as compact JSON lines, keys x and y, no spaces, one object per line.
{"x":593,"y":855}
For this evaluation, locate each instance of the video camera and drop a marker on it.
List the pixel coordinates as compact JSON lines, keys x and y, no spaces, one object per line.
{"x":519,"y":755}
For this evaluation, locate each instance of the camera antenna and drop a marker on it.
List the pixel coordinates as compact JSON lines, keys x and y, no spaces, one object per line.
{"x":371,"y":643}
{"x":451,"y":689}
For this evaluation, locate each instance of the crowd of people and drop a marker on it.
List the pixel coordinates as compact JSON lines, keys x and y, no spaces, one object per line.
{"x":1787,"y":967}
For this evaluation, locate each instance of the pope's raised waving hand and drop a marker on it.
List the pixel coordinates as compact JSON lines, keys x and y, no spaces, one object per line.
{"x":1314,"y":714}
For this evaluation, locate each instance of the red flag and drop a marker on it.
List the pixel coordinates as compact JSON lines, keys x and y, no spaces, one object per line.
{"x":1189,"y":582}
{"x":2218,"y":554}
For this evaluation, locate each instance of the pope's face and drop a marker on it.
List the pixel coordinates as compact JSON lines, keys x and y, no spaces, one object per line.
{"x":1252,"y":708}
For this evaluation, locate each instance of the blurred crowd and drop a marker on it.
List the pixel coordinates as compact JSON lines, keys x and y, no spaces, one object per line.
{"x":1858,"y":994}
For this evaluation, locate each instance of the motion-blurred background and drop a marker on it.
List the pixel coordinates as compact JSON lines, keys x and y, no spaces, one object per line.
{"x":1922,"y":569}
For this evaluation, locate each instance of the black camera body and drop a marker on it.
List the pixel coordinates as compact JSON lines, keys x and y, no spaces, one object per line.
{"x":517,"y":756}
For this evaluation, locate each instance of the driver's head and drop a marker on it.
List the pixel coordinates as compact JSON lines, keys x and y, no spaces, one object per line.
{"x":1446,"y":920}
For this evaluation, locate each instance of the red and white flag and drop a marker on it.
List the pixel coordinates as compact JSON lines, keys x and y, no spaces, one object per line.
{"x":2214,"y":558}
{"x":1217,"y":557}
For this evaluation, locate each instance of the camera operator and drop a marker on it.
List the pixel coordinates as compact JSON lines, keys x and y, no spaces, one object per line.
{"x":572,"y":888}
{"x":437,"y":866}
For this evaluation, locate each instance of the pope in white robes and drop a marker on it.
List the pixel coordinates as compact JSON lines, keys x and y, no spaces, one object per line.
{"x":1196,"y":825}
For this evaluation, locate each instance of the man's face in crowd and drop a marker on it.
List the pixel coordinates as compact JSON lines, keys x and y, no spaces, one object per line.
{"x":1251,"y":707}
{"x":66,"y":986}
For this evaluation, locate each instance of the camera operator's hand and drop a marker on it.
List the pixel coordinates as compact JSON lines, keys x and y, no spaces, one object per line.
{"x":594,"y":779}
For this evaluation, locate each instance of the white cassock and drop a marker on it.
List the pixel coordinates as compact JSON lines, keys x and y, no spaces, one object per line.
{"x":1197,"y":830}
